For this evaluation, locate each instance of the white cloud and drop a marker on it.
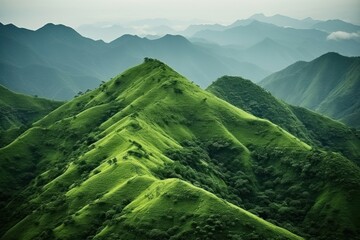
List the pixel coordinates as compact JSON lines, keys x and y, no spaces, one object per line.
{"x":339,"y":35}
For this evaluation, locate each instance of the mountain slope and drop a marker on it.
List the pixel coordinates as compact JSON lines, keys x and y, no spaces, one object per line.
{"x":328,"y":85}
{"x":18,"y":112}
{"x":110,"y":164}
{"x":139,"y":156}
{"x":310,"y":127}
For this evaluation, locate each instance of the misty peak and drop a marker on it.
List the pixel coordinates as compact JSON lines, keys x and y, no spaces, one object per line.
{"x":174,"y":39}
{"x":127,"y":38}
{"x":59,"y":29}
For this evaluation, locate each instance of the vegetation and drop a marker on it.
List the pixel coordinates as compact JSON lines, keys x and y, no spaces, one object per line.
{"x":18,"y":112}
{"x":314,"y":129}
{"x":137,"y":159}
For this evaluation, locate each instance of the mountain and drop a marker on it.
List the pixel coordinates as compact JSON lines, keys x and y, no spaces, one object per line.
{"x":270,"y":55}
{"x":281,"y":21}
{"x":192,"y":29}
{"x":328,"y":85}
{"x":53,"y":62}
{"x":336,"y":25}
{"x":149,"y":155}
{"x":196,"y":62}
{"x":18,"y":112}
{"x":312,"y":128}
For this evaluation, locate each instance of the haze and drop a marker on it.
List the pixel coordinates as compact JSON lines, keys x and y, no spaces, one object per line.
{"x":34,"y":14}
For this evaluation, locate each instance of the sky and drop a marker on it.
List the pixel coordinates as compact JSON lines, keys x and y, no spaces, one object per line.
{"x":36,"y":13}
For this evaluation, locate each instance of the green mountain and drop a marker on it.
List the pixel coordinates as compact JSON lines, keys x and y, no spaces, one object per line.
{"x":150,"y":155}
{"x":18,"y":112}
{"x":312,"y":128}
{"x":328,"y":85}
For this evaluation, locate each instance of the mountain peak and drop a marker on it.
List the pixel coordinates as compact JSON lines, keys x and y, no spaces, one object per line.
{"x":174,"y":38}
{"x":57,"y":29}
{"x":128,"y":38}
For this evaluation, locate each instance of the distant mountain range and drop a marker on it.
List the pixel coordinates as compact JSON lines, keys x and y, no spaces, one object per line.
{"x":329,"y":85}
{"x":150,"y":155}
{"x":59,"y":62}
{"x":273,"y":47}
{"x":56,"y":62}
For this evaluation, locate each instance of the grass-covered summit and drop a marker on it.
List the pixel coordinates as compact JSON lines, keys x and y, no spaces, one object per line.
{"x":150,"y":155}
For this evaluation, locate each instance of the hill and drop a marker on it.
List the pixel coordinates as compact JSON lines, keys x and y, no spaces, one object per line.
{"x":310,"y":127}
{"x":150,"y":155}
{"x":328,"y":85}
{"x":18,"y":112}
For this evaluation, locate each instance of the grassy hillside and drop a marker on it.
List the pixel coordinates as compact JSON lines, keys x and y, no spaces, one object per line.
{"x":312,"y":128}
{"x":18,"y":112}
{"x":150,"y":155}
{"x":328,"y":85}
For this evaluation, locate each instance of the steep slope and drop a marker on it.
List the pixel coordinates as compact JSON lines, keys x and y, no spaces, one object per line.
{"x":110,"y":164}
{"x":312,"y":128}
{"x":18,"y":112}
{"x":139,"y":156}
{"x":328,"y":85}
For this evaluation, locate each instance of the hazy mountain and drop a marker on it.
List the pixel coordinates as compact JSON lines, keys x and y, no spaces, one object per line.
{"x":104,"y":32}
{"x":56,"y":62}
{"x":300,"y":44}
{"x":192,"y":29}
{"x":310,"y":127}
{"x":271,"y":55}
{"x":280,"y":20}
{"x":149,"y":155}
{"x":329,"y":85}
{"x":109,"y":33}
{"x":336,"y":25}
